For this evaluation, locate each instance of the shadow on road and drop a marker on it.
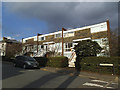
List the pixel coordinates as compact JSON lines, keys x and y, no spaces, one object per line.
{"x":49,"y":77}
{"x":8,"y":70}
{"x":67,"y":82}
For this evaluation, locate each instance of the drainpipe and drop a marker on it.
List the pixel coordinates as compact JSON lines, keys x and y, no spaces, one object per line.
{"x":22,"y":45}
{"x":63,"y":42}
{"x":22,"y":40}
{"x":108,"y":34}
{"x":38,"y":41}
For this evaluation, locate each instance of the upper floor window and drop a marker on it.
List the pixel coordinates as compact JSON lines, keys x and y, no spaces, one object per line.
{"x":2,"y":45}
{"x":69,"y":34}
{"x":58,"y":35}
{"x":42,"y":38}
{"x":26,"y":41}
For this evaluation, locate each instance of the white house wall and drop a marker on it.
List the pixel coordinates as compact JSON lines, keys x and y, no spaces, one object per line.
{"x":100,"y":28}
{"x":2,"y":48}
{"x":103,"y":42}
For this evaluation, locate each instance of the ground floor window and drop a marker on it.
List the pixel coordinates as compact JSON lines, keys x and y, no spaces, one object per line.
{"x":68,"y":46}
{"x":42,"y":46}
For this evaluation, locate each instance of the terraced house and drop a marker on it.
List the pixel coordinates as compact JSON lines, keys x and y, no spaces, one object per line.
{"x":63,"y":42}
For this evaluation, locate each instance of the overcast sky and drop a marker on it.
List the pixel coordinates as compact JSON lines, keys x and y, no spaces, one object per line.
{"x":22,"y":19}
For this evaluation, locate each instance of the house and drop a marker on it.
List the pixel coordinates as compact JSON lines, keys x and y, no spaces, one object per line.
{"x":2,"y":48}
{"x":40,"y":44}
{"x":8,"y":46}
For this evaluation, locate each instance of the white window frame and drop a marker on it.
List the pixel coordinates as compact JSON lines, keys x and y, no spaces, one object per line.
{"x":67,"y":46}
{"x":43,"y":39}
{"x":40,"y":38}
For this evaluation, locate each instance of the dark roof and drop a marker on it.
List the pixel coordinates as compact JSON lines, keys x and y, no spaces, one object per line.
{"x":10,"y":41}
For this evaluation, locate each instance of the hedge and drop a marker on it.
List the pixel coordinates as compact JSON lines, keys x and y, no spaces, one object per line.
{"x":92,"y":64}
{"x":59,"y":62}
{"x":41,"y":60}
{"x":4,"y":58}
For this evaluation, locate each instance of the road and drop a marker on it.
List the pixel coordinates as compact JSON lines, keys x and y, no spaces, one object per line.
{"x":35,"y":78}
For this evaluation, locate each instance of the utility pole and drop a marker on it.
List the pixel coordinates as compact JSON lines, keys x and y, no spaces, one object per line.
{"x":108,"y":34}
{"x":63,"y":42}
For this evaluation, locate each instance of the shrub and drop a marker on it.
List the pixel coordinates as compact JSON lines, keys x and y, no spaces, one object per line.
{"x":92,"y":64}
{"x":87,"y":48}
{"x":4,"y":58}
{"x":41,"y":60}
{"x":57,"y":61}
{"x":53,"y":61}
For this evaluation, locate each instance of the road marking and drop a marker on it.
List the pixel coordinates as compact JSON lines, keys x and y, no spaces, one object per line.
{"x":21,"y":71}
{"x":45,"y":69}
{"x":99,"y":81}
{"x":107,"y":84}
{"x":91,"y":84}
{"x":30,"y":70}
{"x":87,"y":76}
{"x":26,"y":70}
{"x":114,"y":83}
{"x":110,"y":87}
{"x":98,"y":85}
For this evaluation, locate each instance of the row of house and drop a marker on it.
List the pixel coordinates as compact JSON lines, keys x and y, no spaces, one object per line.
{"x":63,"y":42}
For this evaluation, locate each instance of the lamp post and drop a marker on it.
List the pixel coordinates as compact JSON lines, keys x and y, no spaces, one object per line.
{"x":63,"y":42}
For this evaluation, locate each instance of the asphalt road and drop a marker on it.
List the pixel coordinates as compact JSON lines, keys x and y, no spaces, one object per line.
{"x":13,"y":77}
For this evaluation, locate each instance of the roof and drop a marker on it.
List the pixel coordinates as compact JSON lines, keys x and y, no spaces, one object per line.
{"x":10,"y":41}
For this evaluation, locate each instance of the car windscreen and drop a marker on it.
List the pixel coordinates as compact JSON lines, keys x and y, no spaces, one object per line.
{"x":29,"y":59}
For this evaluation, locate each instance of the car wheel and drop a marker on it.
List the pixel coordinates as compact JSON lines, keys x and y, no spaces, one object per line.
{"x":24,"y":66}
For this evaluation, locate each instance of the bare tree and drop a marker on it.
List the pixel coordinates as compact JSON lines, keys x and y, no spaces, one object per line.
{"x":13,"y":49}
{"x":53,"y":51}
{"x":114,"y":42}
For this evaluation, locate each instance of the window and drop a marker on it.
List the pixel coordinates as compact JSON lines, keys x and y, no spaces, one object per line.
{"x":68,"y":46}
{"x":58,"y":35}
{"x":32,"y":47}
{"x":42,"y":38}
{"x":42,"y":46}
{"x":2,"y":45}
{"x":69,"y":34}
{"x":26,"y":40}
{"x":3,"y":53}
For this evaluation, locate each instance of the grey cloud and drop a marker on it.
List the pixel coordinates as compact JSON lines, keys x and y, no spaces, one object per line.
{"x":68,"y":15}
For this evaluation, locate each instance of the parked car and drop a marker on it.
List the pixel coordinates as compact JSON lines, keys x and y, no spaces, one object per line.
{"x":25,"y":62}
